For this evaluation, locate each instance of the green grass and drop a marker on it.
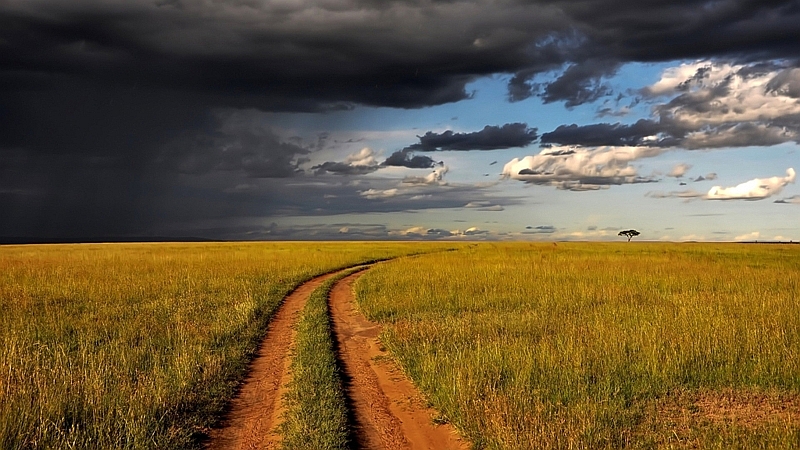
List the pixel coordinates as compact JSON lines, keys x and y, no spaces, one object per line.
{"x":140,"y":345}
{"x":316,"y":413}
{"x":593,"y":345}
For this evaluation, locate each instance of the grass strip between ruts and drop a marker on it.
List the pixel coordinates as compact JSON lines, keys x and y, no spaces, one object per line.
{"x":316,"y":413}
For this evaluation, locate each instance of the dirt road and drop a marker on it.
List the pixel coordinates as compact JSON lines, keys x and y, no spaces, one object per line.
{"x":255,"y":411}
{"x":387,"y":411}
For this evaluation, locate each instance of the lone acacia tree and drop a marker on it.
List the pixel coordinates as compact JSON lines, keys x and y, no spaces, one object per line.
{"x":628,"y":234}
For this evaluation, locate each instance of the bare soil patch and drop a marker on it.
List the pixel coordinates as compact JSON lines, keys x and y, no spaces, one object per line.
{"x":255,"y":411}
{"x":748,"y":409}
{"x":387,"y":410}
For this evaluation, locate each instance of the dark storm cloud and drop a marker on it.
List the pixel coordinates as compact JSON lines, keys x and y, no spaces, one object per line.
{"x":581,"y":83}
{"x":622,"y":31}
{"x":103,"y":189}
{"x":279,"y":56}
{"x":210,"y":206}
{"x":490,"y":137}
{"x":741,"y":135}
{"x":407,"y":158}
{"x":304,"y":56}
{"x":107,"y":108}
{"x":253,"y":151}
{"x":603,"y":133}
{"x":341,"y":168}
{"x":328,"y":195}
{"x":334,"y":231}
{"x":51,"y":195}
{"x":665,"y":134}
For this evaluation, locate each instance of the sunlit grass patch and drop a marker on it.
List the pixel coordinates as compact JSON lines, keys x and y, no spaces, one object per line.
{"x":576,"y":345}
{"x":140,"y":345}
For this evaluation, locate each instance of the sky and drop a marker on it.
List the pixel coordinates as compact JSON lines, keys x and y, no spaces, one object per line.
{"x":420,"y":119}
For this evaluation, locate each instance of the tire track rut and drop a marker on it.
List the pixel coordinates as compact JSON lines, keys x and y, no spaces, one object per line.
{"x":255,"y":411}
{"x":387,"y":410}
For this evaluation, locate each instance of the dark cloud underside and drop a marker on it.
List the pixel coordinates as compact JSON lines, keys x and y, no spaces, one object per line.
{"x":509,"y":135}
{"x":110,"y":109}
{"x":406,"y":158}
{"x":343,"y":168}
{"x":311,"y":55}
{"x":716,"y":105}
{"x":490,"y":137}
{"x":602,"y":134}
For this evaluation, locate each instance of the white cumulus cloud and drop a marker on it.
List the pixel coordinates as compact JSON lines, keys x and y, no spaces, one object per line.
{"x":581,"y":169}
{"x":373,"y":194}
{"x":755,"y":189}
{"x":472,"y":231}
{"x":364,"y":157}
{"x":732,"y":94}
{"x":436,"y":177}
{"x":726,"y":105}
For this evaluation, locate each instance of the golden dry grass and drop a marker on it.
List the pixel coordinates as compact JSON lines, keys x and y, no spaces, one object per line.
{"x":593,"y":345}
{"x":139,"y":345}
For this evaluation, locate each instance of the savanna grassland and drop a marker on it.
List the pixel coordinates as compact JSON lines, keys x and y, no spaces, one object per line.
{"x":519,"y":345}
{"x":590,"y":345}
{"x":140,"y":345}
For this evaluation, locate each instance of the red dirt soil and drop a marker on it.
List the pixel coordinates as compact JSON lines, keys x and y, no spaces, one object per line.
{"x":388,"y":411}
{"x":255,"y":411}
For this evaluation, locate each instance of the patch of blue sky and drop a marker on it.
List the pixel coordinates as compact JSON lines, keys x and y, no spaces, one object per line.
{"x":372,"y":127}
{"x":574,"y":215}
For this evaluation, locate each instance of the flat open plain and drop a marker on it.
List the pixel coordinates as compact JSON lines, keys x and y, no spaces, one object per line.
{"x":490,"y":345}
